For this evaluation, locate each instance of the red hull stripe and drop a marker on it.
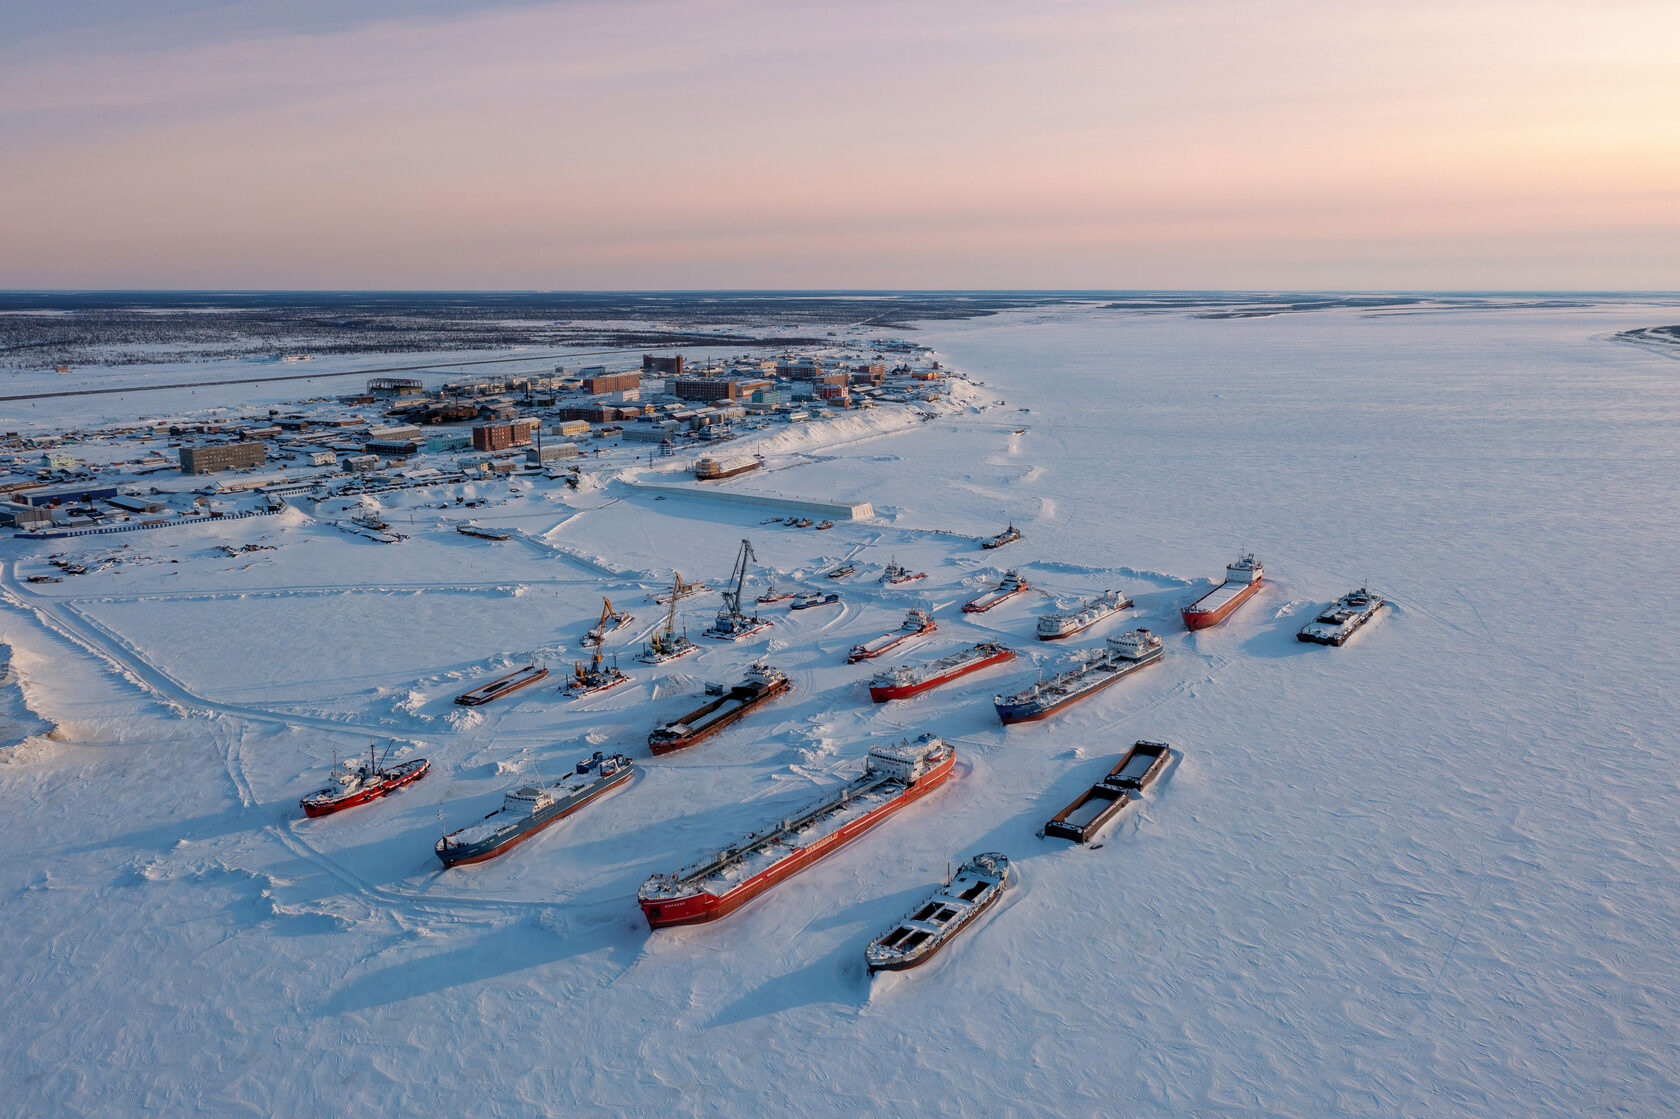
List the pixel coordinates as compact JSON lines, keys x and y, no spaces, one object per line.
{"x":700,"y":908}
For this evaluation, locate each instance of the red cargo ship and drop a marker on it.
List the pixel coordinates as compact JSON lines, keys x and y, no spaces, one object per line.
{"x":894,"y":776}
{"x":1242,"y":582}
{"x":906,"y":680}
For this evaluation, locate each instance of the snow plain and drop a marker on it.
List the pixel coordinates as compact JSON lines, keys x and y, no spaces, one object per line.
{"x":1433,"y":872}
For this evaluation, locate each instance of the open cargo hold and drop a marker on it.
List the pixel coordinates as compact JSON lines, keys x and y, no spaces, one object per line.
{"x":1092,"y":810}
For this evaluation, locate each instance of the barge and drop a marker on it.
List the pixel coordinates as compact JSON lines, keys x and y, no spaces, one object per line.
{"x":1054,"y":627}
{"x":595,"y":675}
{"x":1011,"y":585}
{"x":762,"y":684}
{"x":976,"y":887}
{"x":1242,"y":582}
{"x":894,"y":776}
{"x":503,"y":685}
{"x":529,"y":809}
{"x":916,"y":623}
{"x":1122,"y":655}
{"x":1338,"y":621}
{"x":1095,"y":807}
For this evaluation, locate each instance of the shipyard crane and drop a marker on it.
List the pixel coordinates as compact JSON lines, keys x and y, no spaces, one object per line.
{"x":732,"y":598}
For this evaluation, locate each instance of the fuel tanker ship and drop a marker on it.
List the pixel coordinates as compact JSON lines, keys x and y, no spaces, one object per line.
{"x":908,"y":680}
{"x":762,"y":683}
{"x":1054,"y":627}
{"x":893,"y":777}
{"x":529,"y":809}
{"x":1123,"y":655}
{"x":916,"y":623}
{"x":1242,"y":582}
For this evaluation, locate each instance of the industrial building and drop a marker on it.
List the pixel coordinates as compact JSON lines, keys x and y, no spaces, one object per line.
{"x":222,"y":456}
{"x":553,"y":452}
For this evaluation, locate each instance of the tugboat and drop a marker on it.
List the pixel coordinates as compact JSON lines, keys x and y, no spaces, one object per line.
{"x":1054,"y":627}
{"x":1007,"y":536}
{"x":976,"y":887}
{"x":1338,"y":621}
{"x":610,"y":620}
{"x":1123,"y":655}
{"x":359,"y":782}
{"x":842,"y":571}
{"x":1242,"y":582}
{"x":503,"y":685}
{"x":593,"y":676}
{"x":905,"y":681}
{"x":731,"y":624}
{"x":1011,"y":585}
{"x":666,"y":644}
{"x":761,"y":685}
{"x":529,"y":809}
{"x":894,"y":776}
{"x":812,"y":598}
{"x":916,"y":623}
{"x":774,"y":594}
{"x":895,"y":573}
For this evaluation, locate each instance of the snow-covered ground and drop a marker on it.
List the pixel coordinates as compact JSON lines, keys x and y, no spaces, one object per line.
{"x":1433,"y":872}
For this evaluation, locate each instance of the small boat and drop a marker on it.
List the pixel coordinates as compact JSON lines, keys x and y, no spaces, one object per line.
{"x":1091,"y":811}
{"x":842,"y":571}
{"x":594,"y":675}
{"x":356,"y":783}
{"x":895,"y":573}
{"x":1242,"y":582}
{"x":916,"y":623}
{"x":976,"y":887}
{"x":1338,"y":621}
{"x":1008,"y":587}
{"x":802,"y":522}
{"x":812,"y":598}
{"x":503,"y":685}
{"x":529,"y":809}
{"x":825,"y":524}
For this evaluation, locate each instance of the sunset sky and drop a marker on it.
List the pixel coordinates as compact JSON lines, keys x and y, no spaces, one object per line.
{"x":757,"y":144}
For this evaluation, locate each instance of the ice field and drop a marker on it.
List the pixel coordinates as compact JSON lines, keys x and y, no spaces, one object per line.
{"x":1434,"y":872}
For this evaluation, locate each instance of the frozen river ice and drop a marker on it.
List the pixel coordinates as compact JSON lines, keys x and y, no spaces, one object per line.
{"x":1433,"y":872}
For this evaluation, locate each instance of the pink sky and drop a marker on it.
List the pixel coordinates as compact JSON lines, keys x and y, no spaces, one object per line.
{"x":761,"y":144}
